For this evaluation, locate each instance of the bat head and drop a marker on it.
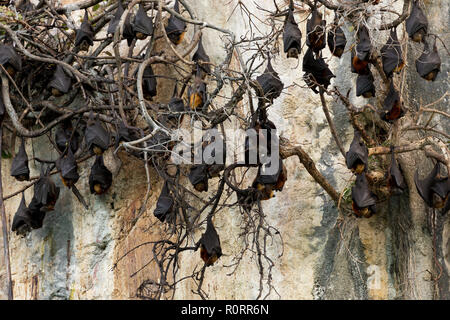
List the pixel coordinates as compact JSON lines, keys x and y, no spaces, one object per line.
{"x":19,"y":166}
{"x":416,"y":23}
{"x":143,"y":24}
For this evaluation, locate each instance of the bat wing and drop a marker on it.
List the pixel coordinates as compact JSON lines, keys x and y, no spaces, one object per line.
{"x":357,"y":151}
{"x":391,"y":99}
{"x":364,"y":83}
{"x":416,"y":20}
{"x":100,"y":175}
{"x":165,"y":203}
{"x":9,"y":55}
{"x":201,"y":57}
{"x":336,"y":38}
{"x":96,"y":134}
{"x":116,"y":19}
{"x":292,"y":36}
{"x":68,"y":167}
{"x":128,"y":32}
{"x":396,"y":174}
{"x":361,"y":193}
{"x":85,"y":32}
{"x":198,"y":174}
{"x":210,"y":240}
{"x":19,"y":166}
{"x":37,"y":215}
{"x":429,"y":61}
{"x":22,"y":217}
{"x":60,"y":80}
{"x":149,"y":81}
{"x":142,"y":22}
{"x":424,"y":186}
{"x":270,"y":82}
{"x":441,"y":187}
{"x":391,"y":54}
{"x":363,"y":46}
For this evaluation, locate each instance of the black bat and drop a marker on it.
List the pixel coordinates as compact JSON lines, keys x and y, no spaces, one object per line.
{"x":416,"y":23}
{"x":176,"y":105}
{"x":391,"y":55}
{"x":60,"y":82}
{"x":202,"y":60}
{"x":315,"y":31}
{"x":37,"y":213}
{"x":210,"y":249}
{"x":63,"y":134}
{"x":114,"y":23}
{"x":357,"y":156}
{"x":21,"y":224}
{"x":9,"y":59}
{"x":85,"y":35}
{"x":176,"y":28}
{"x":392,"y":106}
{"x":270,"y":83}
{"x":365,"y":86}
{"x":97,"y":137}
{"x":25,"y":6}
{"x":336,"y":39}
{"x":46,"y":193}
{"x":363,"y":47}
{"x":198,"y":176}
{"x":292,"y":36}
{"x":197,"y":93}
{"x":268,"y":183}
{"x":68,"y":168}
{"x":128,"y":32}
{"x":433,"y":189}
{"x":19,"y":166}
{"x":165,"y":204}
{"x":395,"y":177}
{"x":428,"y":64}
{"x":100,"y":178}
{"x":316,"y":71}
{"x":143,"y":24}
{"x":149,"y":83}
{"x":363,"y":200}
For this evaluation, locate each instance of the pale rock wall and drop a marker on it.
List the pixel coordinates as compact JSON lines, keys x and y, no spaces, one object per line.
{"x":324,"y":256}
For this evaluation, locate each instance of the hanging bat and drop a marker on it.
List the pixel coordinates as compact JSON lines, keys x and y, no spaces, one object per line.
{"x":176,"y":28}
{"x":128,"y":32}
{"x":197,"y":93}
{"x":176,"y":105}
{"x":149,"y":83}
{"x":25,"y":6}
{"x":202,"y":67}
{"x":315,"y":31}
{"x":114,"y":23}
{"x":60,"y":82}
{"x":395,"y":177}
{"x":360,"y":57}
{"x":62,"y":137}
{"x":165,"y":204}
{"x":316,"y":71}
{"x":19,"y":166}
{"x":68,"y":168}
{"x":416,"y":23}
{"x":365,"y":86}
{"x":37,"y":215}
{"x":84,"y":37}
{"x":391,"y":55}
{"x":10,"y":60}
{"x":336,"y":39}
{"x":198,"y":176}
{"x":268,"y":183}
{"x":210,"y":250}
{"x":363,"y":200}
{"x":143,"y":24}
{"x":357,"y":156}
{"x":100,"y":178}
{"x":433,"y":189}
{"x":255,"y":147}
{"x":46,"y":193}
{"x":292,"y":36}
{"x":392,"y":106}
{"x":270,"y":83}
{"x":96,"y":136}
{"x":21,"y":224}
{"x":428,"y":64}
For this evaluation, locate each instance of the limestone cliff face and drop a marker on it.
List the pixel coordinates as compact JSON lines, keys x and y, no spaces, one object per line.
{"x":324,"y":256}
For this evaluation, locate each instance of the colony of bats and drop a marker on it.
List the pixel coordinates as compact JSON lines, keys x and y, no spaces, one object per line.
{"x":434,"y":189}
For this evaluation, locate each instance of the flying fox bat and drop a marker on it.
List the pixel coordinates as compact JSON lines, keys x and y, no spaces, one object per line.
{"x":392,"y":106}
{"x":63,"y":134}
{"x":197,"y":93}
{"x":336,"y":40}
{"x":292,"y":36}
{"x":433,"y":189}
{"x":357,"y":156}
{"x":391,"y":55}
{"x":85,"y":35}
{"x":210,"y":249}
{"x":176,"y":105}
{"x":68,"y":168}
{"x":198,"y":176}
{"x":360,"y":57}
{"x":114,"y":23}
{"x":100,"y":178}
{"x":416,"y":23}
{"x":316,"y":71}
{"x":428,"y":64}
{"x":165,"y":204}
{"x":395,"y":177}
{"x":365,"y":86}
{"x":315,"y":31}
{"x":254,"y":147}
{"x":128,"y":32}
{"x":176,"y":28}
{"x":202,"y":61}
{"x":143,"y":24}
{"x":10,"y":60}
{"x":268,"y":183}
{"x":19,"y":166}
{"x":46,"y":193}
{"x":21,"y":224}
{"x":60,"y":82}
{"x":97,"y":137}
{"x":149,"y":83}
{"x":363,"y":200}
{"x":270,"y":83}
